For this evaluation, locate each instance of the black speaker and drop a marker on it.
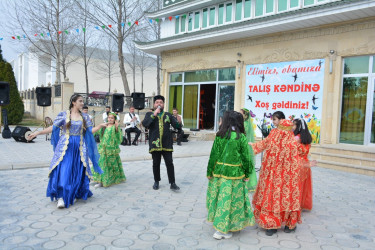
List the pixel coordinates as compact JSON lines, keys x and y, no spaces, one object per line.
{"x":43,"y":96}
{"x":6,"y":134}
{"x":138,"y":100}
{"x":21,"y":133}
{"x":4,"y":93}
{"x":117,"y":102}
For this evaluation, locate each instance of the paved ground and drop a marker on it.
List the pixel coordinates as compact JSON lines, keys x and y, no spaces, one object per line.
{"x":133,"y":216}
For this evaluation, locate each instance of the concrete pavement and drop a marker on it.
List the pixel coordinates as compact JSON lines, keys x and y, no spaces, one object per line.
{"x":133,"y":216}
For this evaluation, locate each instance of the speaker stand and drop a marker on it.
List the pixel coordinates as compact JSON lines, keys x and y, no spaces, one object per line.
{"x":1,"y":117}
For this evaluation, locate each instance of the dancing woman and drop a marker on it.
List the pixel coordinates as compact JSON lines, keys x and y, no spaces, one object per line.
{"x":73,"y":144}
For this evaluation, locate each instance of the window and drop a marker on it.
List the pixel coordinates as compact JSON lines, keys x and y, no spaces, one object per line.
{"x":269,"y":6}
{"x":258,"y":7}
{"x":200,"y":76}
{"x":212,"y":16}
{"x":308,"y":2}
{"x":228,"y":74}
{"x":175,"y":98}
{"x":205,"y":18}
{"x":357,"y":109}
{"x":294,"y":3}
{"x":190,"y":22}
{"x":221,"y":14}
{"x":177,"y":26}
{"x":282,"y":5}
{"x":238,"y":10}
{"x":176,"y":77}
{"x":228,"y":12}
{"x":196,"y":20}
{"x":247,"y":9}
{"x":183,"y":23}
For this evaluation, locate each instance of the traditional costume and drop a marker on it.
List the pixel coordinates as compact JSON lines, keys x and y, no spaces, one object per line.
{"x":69,"y":169}
{"x":250,"y":135}
{"x":161,"y":140}
{"x":277,"y":198}
{"x":306,"y":182}
{"x":110,"y":161}
{"x":227,"y":201}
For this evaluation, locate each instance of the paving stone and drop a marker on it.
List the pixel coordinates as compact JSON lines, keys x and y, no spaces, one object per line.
{"x":54,"y":244}
{"x":148,"y":237}
{"x":187,"y":242}
{"x":163,"y":246}
{"x":84,"y":238}
{"x":122,"y":243}
{"x":46,"y":234}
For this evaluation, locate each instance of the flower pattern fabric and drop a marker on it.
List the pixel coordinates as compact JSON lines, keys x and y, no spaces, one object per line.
{"x":277,"y":199}
{"x":306,"y":180}
{"x":110,"y":161}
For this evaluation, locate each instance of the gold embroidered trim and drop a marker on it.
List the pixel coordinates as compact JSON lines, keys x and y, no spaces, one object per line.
{"x":229,"y":178}
{"x":161,"y":149}
{"x":226,"y":164}
{"x":161,"y":128}
{"x":65,"y":146}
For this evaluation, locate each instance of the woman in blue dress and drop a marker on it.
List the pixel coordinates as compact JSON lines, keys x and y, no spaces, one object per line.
{"x":73,"y":144}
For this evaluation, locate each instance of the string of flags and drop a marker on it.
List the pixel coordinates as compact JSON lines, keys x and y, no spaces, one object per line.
{"x":102,"y":27}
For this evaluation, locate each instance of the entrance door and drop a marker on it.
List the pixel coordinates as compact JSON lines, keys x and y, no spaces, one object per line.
{"x":207,"y":106}
{"x":226,"y":100}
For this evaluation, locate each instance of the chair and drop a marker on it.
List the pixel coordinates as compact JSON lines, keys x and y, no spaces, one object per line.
{"x":47,"y":123}
{"x":144,"y":134}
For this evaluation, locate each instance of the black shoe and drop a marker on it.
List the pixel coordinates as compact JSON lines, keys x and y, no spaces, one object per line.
{"x":179,"y":143}
{"x":174,"y":187}
{"x":288,"y":230}
{"x":270,"y":232}
{"x":156,"y":185}
{"x":134,"y":143}
{"x":129,"y":144}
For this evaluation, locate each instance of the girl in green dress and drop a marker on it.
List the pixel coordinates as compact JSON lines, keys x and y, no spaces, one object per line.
{"x":250,"y":135}
{"x":109,"y":150}
{"x":228,"y":170}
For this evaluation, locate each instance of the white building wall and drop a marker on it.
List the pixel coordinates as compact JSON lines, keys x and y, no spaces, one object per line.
{"x":167,"y":28}
{"x":33,"y":76}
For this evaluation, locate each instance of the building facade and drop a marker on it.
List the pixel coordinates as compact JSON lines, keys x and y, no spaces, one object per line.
{"x":311,"y":57}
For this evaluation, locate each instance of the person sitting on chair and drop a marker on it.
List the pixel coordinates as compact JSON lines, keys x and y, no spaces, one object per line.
{"x":105,"y":114}
{"x":131,"y":121}
{"x":180,"y":132}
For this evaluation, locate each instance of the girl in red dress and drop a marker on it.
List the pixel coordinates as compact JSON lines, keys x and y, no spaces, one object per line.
{"x":304,"y":139}
{"x":277,"y":198}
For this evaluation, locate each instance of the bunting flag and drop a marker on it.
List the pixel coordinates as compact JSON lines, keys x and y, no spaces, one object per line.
{"x":100,"y":27}
{"x":1,"y":38}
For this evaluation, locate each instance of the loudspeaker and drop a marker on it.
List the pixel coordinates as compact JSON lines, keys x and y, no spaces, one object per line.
{"x":117,"y":102}
{"x":43,"y":96}
{"x":138,"y":100}
{"x":21,"y":133}
{"x":6,"y":134}
{"x":4,"y":93}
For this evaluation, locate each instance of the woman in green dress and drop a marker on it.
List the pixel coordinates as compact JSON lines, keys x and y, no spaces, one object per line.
{"x":250,"y":135}
{"x":229,"y":167}
{"x":109,"y":150}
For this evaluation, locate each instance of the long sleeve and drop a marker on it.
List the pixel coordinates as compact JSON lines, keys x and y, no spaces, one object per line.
{"x":247,"y":162}
{"x":215,"y":150}
{"x":55,"y":137}
{"x":127,"y":119}
{"x":148,"y":120}
{"x":262,"y":145}
{"x":60,"y":120}
{"x":118,"y":136}
{"x":92,"y":150}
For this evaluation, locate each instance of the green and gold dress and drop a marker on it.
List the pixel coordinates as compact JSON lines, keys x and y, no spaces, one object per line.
{"x":249,"y":129}
{"x":228,"y":202}
{"x":110,"y":161}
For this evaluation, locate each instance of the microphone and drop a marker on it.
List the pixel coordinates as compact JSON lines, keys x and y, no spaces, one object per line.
{"x":159,"y":107}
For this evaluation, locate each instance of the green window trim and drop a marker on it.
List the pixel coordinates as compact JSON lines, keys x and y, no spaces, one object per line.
{"x":212,"y":16}
{"x":221,"y":14}
{"x":238,"y":14}
{"x":247,"y":9}
{"x":205,"y":18}
{"x":229,"y":12}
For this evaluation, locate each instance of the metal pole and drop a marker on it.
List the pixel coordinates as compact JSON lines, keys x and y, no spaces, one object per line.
{"x":1,"y":116}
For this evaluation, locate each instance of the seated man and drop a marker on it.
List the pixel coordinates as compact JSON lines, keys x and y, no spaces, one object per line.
{"x":105,"y":114}
{"x":180,"y":132}
{"x":131,"y":121}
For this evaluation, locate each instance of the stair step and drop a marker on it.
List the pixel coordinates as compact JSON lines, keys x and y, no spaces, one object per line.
{"x":343,"y":158}
{"x":366,"y":170}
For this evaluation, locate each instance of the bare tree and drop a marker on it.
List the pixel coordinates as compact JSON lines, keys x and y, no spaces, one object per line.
{"x":107,"y":66}
{"x":54,"y":18}
{"x":143,"y":62}
{"x":118,"y":13}
{"x":132,"y":52}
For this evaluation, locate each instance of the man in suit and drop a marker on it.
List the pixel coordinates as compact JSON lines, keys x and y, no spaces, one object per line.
{"x":131,"y":120}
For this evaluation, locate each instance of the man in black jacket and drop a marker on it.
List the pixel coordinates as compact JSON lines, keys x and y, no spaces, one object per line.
{"x":161,"y":140}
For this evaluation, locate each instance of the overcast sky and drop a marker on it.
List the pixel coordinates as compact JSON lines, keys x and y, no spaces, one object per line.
{"x":10,"y":48}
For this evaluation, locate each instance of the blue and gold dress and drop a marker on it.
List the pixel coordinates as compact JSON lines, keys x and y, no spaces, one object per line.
{"x":69,"y":169}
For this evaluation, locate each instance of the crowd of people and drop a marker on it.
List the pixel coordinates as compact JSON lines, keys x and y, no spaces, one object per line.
{"x":283,"y":189}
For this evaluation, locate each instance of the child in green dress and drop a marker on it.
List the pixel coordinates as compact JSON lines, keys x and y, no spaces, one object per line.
{"x":109,"y":150}
{"x":229,"y":168}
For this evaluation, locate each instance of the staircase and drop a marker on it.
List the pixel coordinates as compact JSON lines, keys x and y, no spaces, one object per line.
{"x":349,"y":158}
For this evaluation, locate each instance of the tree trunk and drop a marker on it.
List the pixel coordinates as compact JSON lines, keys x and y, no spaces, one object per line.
{"x":142,"y":81}
{"x":58,"y":65}
{"x":120,"y":41}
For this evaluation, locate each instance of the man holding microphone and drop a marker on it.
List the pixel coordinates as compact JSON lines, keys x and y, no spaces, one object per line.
{"x":160,"y":140}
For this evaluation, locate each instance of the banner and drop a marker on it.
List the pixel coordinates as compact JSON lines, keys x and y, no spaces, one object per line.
{"x":295,"y":88}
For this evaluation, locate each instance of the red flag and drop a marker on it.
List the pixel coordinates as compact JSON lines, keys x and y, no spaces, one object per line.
{"x":110,"y":25}
{"x":60,"y":32}
{"x":35,"y":34}
{"x":14,"y":37}
{"x":136,"y":22}
{"x":170,"y":18}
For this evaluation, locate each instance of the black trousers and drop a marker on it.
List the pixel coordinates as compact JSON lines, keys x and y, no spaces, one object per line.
{"x":156,"y":159}
{"x":180,"y":134}
{"x":132,"y":130}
